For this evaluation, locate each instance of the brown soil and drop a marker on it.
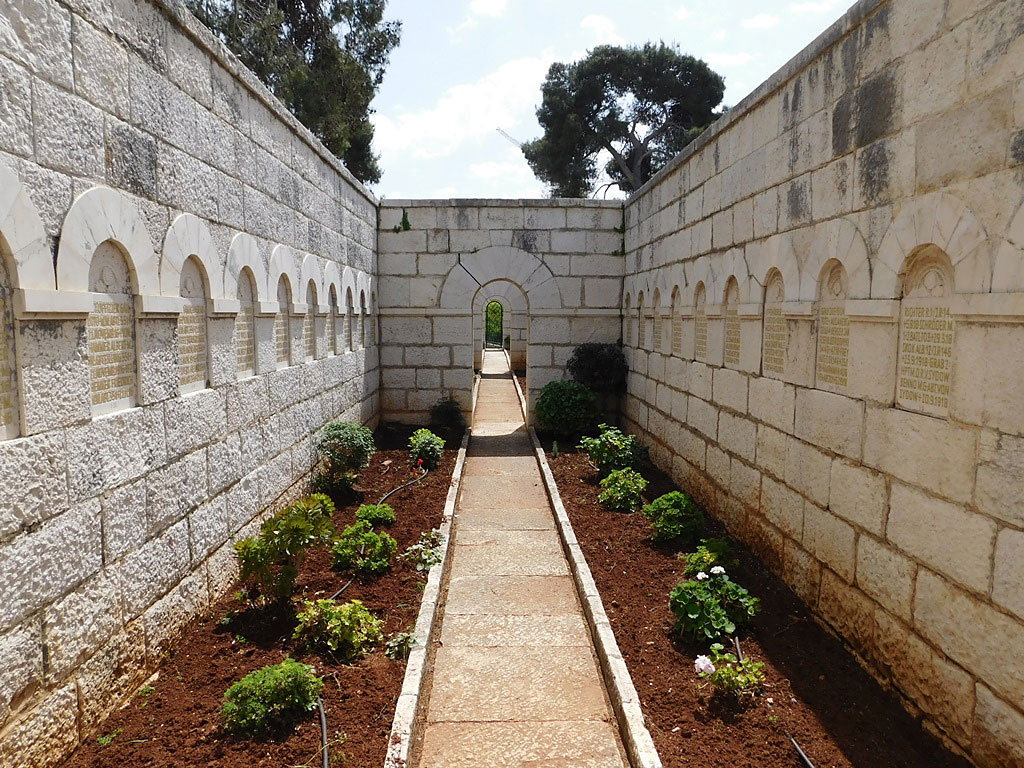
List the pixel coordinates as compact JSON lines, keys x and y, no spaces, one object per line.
{"x":178,"y":724}
{"x":815,"y":689}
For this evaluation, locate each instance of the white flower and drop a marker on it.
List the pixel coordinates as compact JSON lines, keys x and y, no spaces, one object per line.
{"x":703,"y":666}
{"x":702,"y":576}
{"x":717,"y":570}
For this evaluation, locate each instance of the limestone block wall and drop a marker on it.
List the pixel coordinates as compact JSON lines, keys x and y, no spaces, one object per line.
{"x":187,"y":294}
{"x":560,"y":259}
{"x":824,"y":315}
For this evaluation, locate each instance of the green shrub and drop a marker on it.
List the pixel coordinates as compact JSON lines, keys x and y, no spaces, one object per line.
{"x":447,"y":414}
{"x":363,"y":551}
{"x":271,"y":696}
{"x":348,"y":630}
{"x":376,"y":514}
{"x":426,"y":552}
{"x":566,"y":408}
{"x":344,"y":448}
{"x":427,"y":447}
{"x":612,"y":449}
{"x":710,"y":553}
{"x":273,"y":557}
{"x":623,"y":490}
{"x":602,"y":367}
{"x":727,"y":673}
{"x":711,"y":606}
{"x":673,"y":516}
{"x":399,"y":645}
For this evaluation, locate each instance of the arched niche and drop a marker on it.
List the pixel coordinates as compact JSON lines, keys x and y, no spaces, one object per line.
{"x":244,"y":253}
{"x":283,"y":321}
{"x":657,"y":326}
{"x":499,"y":262}
{"x":676,"y":325}
{"x":110,"y":329}
{"x":188,"y":237}
{"x":30,"y":278}
{"x":700,"y":322}
{"x":832,"y":359}
{"x":837,"y":240}
{"x":192,"y":331}
{"x":775,"y":336}
{"x":926,"y":332}
{"x":309,"y":321}
{"x":730,"y":311}
{"x":247,"y":292}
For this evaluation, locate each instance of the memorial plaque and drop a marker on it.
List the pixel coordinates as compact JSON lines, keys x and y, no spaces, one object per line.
{"x":309,"y":334}
{"x":332,"y":330}
{"x":926,"y":357}
{"x":192,"y":344}
{"x":8,"y":417}
{"x":832,"y":362}
{"x":700,"y":325}
{"x":677,"y":332}
{"x":642,"y":337}
{"x":111,"y":351}
{"x":776,"y":333}
{"x":282,"y":330}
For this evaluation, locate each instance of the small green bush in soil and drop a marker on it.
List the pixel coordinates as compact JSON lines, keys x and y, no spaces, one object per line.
{"x":566,"y":408}
{"x":600,"y":366}
{"x":347,"y":630}
{"x":270,"y":697}
{"x":425,"y":553}
{"x":376,"y":514}
{"x":343,"y":449}
{"x":711,"y":606}
{"x":399,"y":645}
{"x":427,"y":447}
{"x":273,"y":557}
{"x":673,"y":516}
{"x":623,"y":490}
{"x":728,"y":674}
{"x":710,"y":553}
{"x":612,"y":449}
{"x":446,"y":414}
{"x":360,"y":549}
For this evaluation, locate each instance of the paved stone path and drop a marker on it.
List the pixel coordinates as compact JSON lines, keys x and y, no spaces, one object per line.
{"x":515,"y":679}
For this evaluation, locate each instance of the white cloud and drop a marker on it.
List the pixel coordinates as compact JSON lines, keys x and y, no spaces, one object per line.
{"x":683,"y":13}
{"x":491,"y":9}
{"x":499,"y":169}
{"x":719,"y":35}
{"x":820,"y":6}
{"x":760,"y":21}
{"x":464,"y":114}
{"x":602,"y":30}
{"x":728,"y":60}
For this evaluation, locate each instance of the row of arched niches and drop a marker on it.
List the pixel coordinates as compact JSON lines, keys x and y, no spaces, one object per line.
{"x":742,"y":309}
{"x":108,"y":274}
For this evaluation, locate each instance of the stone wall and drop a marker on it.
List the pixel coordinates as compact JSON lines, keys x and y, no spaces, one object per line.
{"x":560,"y":259}
{"x":824,"y":314}
{"x":176,"y":259}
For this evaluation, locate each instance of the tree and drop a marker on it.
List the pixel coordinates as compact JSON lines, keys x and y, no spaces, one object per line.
{"x":324,"y":59}
{"x":641,"y":104}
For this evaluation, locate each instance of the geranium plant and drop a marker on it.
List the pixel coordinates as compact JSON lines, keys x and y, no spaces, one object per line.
{"x":622,"y":490}
{"x":711,"y":605}
{"x":729,"y":674}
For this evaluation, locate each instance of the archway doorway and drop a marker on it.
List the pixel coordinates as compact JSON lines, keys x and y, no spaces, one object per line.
{"x":494,"y":325}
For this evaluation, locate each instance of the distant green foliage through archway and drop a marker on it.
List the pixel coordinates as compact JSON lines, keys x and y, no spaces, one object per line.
{"x":494,"y":315}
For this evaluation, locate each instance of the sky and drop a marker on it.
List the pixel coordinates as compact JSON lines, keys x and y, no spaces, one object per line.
{"x":465,"y":68}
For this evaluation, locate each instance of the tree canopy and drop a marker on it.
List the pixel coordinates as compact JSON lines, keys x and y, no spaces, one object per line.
{"x":324,"y":59}
{"x":641,"y":104}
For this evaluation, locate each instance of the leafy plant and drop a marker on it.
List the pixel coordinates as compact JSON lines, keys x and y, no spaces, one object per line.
{"x":711,"y":605}
{"x":612,"y":449}
{"x":673,"y":516}
{"x":348,"y":630}
{"x":447,"y":414}
{"x":273,"y":557}
{"x":426,"y":446}
{"x":727,"y":673}
{"x":344,"y":448}
{"x":600,"y":366}
{"x":566,"y":408}
{"x":710,"y":553}
{"x":269,"y":696}
{"x":365,"y":552}
{"x":376,"y":514}
{"x":108,"y":739}
{"x":623,"y":490}
{"x":399,"y":645}
{"x":426,"y":553}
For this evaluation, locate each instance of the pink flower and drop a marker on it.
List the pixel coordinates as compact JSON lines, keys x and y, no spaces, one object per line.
{"x":703,"y":666}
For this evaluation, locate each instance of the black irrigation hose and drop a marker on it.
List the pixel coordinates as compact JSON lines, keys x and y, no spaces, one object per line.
{"x":803,"y":756}
{"x":739,"y":653}
{"x":323,"y":734}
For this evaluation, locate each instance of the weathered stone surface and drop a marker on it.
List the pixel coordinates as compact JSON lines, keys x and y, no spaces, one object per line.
{"x":194,"y":421}
{"x":53,"y":373}
{"x":22,"y":671}
{"x":998,"y":732}
{"x":885,"y":575}
{"x":166,"y":617}
{"x":1000,"y":466}
{"x":150,"y":571}
{"x":830,"y":540}
{"x":125,"y":522}
{"x":808,"y":471}
{"x":78,"y":624}
{"x":111,"y":451}
{"x":831,"y":421}
{"x":49,"y":730}
{"x":80,"y":151}
{"x":35,"y":486}
{"x":923,"y":526}
{"x":111,"y":675}
{"x":176,"y":489}
{"x":1009,"y":571}
{"x":858,"y":495}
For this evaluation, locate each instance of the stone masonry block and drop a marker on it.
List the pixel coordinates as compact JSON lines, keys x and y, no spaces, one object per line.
{"x":971,"y":633}
{"x":167,"y":616}
{"x":923,"y":527}
{"x":40,"y":566}
{"x":737,"y":435}
{"x":730,"y":389}
{"x":150,"y":571}
{"x":830,"y":421}
{"x":830,"y":540}
{"x":80,"y":623}
{"x":808,"y":470}
{"x":703,"y":417}
{"x":1000,"y":467}
{"x":922,"y":450}
{"x":109,"y":676}
{"x":34,"y":488}
{"x":998,"y":732}
{"x":773,"y":402}
{"x":783,"y":507}
{"x":50,"y":729}
{"x":1009,"y":571}
{"x":858,"y":495}
{"x":886,"y":575}
{"x":54,"y":374}
{"x":772,"y":450}
{"x":113,"y":450}
{"x":175,"y":489}
{"x":16,"y":109}
{"x":22,"y":671}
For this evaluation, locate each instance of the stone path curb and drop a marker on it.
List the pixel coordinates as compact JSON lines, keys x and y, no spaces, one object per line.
{"x":625,"y":700}
{"x":407,"y":711}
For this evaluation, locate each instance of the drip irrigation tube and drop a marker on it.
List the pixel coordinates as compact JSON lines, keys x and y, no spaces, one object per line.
{"x":323,"y":734}
{"x":803,"y":756}
{"x":405,"y":485}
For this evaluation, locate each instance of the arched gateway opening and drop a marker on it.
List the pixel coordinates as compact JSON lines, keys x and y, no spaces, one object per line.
{"x":494,"y":328}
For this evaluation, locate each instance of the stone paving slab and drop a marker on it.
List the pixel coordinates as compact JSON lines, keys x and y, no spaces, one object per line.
{"x":500,"y":465}
{"x":512,"y":595}
{"x":523,"y":745}
{"x":511,"y":540}
{"x":506,"y":520}
{"x":474,"y":684}
{"x":500,"y":560}
{"x":502,"y":492}
{"x":514,"y":631}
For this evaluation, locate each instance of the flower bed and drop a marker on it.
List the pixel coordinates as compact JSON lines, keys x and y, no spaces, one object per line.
{"x":812,"y":686}
{"x":176,"y":719}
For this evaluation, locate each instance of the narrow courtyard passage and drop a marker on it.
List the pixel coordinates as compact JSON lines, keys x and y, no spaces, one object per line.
{"x":515,"y":679}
